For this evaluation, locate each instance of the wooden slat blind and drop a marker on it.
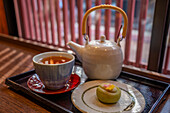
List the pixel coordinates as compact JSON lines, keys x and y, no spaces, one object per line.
{"x":107,"y":20}
{"x":65,"y":19}
{"x":46,"y":18}
{"x":41,"y":20}
{"x":72,"y":19}
{"x":30,"y":16}
{"x":130,"y":14}
{"x":118,"y":18}
{"x":52,"y":18}
{"x":58,"y":18}
{"x":141,"y":30}
{"x":88,"y":6}
{"x":18,"y":18}
{"x":80,"y":17}
{"x":36,"y":22}
{"x":98,"y":21}
{"x":24,"y":16}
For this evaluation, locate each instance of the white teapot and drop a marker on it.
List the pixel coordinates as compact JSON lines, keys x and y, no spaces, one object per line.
{"x":101,"y":59}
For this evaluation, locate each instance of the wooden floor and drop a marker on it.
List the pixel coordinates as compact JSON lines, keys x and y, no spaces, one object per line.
{"x":16,"y":59}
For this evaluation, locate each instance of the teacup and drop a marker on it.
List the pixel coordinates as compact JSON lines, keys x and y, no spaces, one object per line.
{"x":53,"y":76}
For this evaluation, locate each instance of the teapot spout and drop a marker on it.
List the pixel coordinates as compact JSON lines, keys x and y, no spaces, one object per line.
{"x":78,"y":49}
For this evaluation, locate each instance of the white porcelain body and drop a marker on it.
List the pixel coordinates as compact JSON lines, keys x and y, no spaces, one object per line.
{"x":99,"y":60}
{"x":53,"y":76}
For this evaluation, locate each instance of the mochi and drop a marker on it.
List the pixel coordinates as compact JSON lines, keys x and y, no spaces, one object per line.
{"x":108,"y":93}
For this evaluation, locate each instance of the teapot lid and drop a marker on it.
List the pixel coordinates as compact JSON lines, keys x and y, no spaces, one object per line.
{"x":103,"y":43}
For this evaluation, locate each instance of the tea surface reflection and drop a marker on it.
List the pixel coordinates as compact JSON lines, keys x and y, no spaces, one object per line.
{"x":54,"y":60}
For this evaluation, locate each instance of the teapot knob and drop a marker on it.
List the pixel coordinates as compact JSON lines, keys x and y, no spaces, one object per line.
{"x":102,"y":39}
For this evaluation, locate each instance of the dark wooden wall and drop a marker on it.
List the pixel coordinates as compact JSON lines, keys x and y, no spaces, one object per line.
{"x":3,"y":21}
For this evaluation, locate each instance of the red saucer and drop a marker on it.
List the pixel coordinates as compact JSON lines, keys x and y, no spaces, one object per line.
{"x":35,"y":84}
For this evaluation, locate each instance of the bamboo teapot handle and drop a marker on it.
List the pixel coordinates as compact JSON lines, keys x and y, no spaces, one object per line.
{"x":105,"y":6}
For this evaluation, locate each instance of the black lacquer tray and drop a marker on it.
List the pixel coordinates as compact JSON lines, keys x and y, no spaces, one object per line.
{"x":154,"y":92}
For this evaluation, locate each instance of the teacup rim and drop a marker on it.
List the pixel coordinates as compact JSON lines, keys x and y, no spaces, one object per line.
{"x":33,"y":59}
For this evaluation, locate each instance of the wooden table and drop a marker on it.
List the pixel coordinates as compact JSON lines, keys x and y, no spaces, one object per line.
{"x":16,"y":59}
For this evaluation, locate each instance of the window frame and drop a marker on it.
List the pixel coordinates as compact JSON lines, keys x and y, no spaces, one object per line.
{"x":159,"y":35}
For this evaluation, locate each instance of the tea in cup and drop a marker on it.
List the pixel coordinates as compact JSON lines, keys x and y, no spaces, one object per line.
{"x":54,"y":68}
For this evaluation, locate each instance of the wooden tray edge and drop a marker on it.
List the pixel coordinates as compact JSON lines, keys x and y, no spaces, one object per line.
{"x":146,"y":73}
{"x":26,"y":91}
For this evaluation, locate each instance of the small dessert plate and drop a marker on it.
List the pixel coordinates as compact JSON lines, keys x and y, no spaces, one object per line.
{"x":35,"y":84}
{"x":84,"y":98}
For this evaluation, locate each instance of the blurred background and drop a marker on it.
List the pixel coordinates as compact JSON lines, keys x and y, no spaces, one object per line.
{"x":55,"y":22}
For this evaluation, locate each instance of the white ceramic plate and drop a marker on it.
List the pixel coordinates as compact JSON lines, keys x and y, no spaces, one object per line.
{"x":84,"y":98}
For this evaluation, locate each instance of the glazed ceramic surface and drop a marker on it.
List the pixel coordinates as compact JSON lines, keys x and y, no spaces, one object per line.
{"x":53,"y":76}
{"x":84,"y":98}
{"x":101,"y":59}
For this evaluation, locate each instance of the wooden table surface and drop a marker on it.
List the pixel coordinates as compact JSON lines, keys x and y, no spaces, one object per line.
{"x":16,"y":59}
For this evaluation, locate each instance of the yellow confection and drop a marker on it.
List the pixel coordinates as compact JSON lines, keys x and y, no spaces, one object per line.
{"x":110,"y":87}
